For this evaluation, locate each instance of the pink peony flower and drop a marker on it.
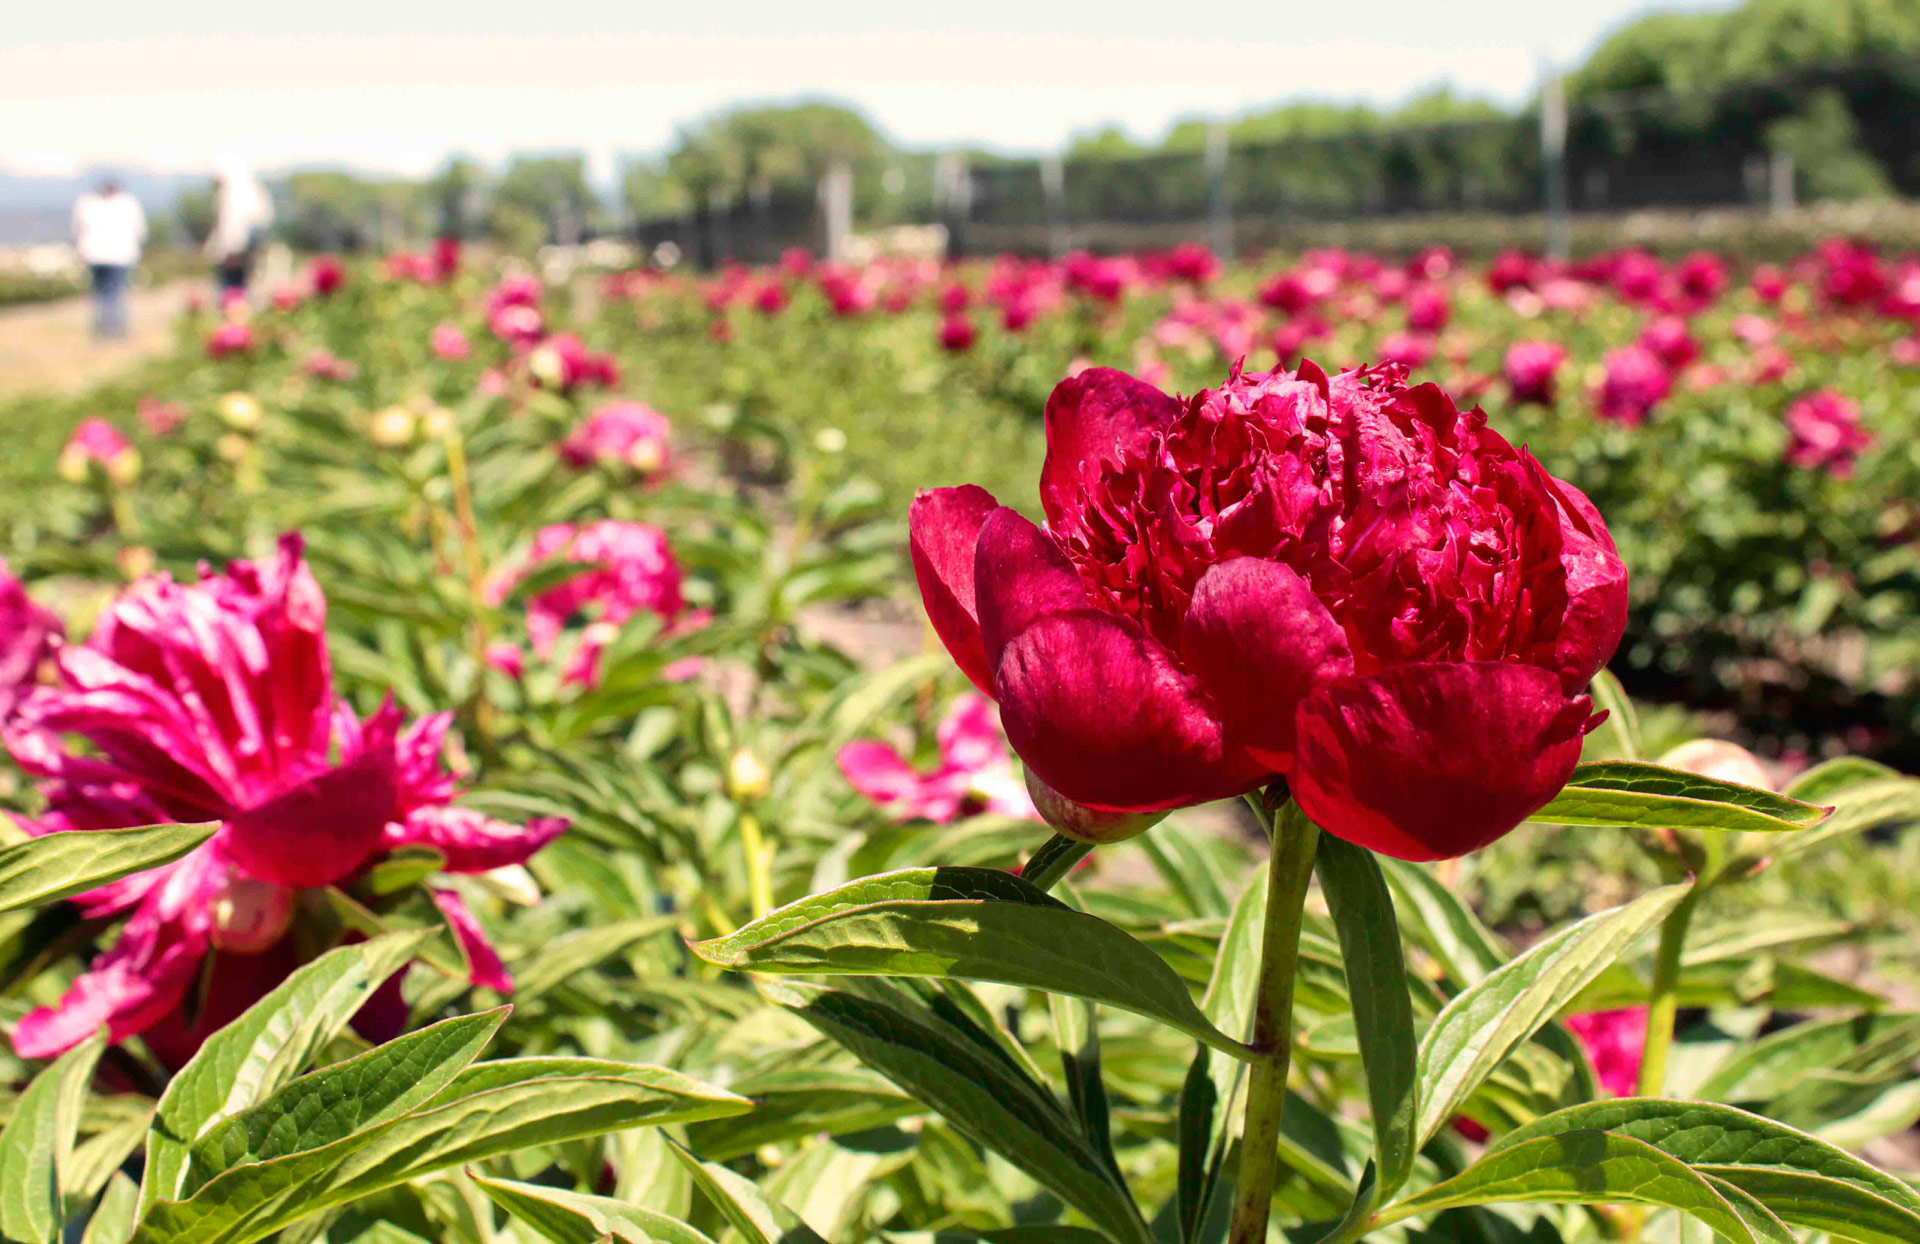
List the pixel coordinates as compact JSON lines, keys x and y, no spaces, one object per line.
{"x":1667,"y":337}
{"x":626,"y":569}
{"x":160,"y":418}
{"x":1615,"y":1042}
{"x":975,"y":773}
{"x":1635,"y":382}
{"x":625,"y":434}
{"x":771,"y":299}
{"x":1826,"y":432}
{"x":214,"y":701}
{"x":449,"y":342}
{"x":562,"y":362}
{"x":1769,"y":283}
{"x":230,"y":337}
{"x":324,"y":365}
{"x":1428,"y":309}
{"x":1531,"y":368}
{"x":1409,"y":350}
{"x":96,"y":440}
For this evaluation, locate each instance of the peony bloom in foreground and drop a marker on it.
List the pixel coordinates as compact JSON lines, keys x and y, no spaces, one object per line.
{"x":1826,"y":431}
{"x":626,"y":569}
{"x":214,"y":701}
{"x":624,"y":434}
{"x":1531,"y":368}
{"x":975,"y":773}
{"x":28,"y":633}
{"x":1343,"y":581}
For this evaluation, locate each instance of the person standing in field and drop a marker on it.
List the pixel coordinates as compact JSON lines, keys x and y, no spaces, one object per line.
{"x":108,"y":230}
{"x":242,"y":212}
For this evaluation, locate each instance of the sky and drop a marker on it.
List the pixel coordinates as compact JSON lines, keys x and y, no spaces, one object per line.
{"x":397,"y":87}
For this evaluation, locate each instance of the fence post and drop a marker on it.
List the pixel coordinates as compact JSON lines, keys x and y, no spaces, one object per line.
{"x":1053,"y":188}
{"x":953,"y":188}
{"x":1553,"y":160}
{"x":1219,"y":207}
{"x":836,"y":208}
{"x":1780,"y":191}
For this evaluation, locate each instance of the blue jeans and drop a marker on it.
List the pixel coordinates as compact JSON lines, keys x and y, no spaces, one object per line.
{"x":109,"y":299}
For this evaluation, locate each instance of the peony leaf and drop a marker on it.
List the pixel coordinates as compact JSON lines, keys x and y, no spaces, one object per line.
{"x":56,"y":866}
{"x":1444,"y":925}
{"x":797,"y":1102}
{"x":1635,"y":795}
{"x":538,"y":972}
{"x":1483,"y":1023}
{"x":489,"y":1109}
{"x":1782,"y":1060}
{"x":979,"y":1089}
{"x":1803,"y":1179}
{"x":577,"y":1218}
{"x":268,"y":1045}
{"x":1591,"y":1167}
{"x":1376,"y":973}
{"x":36,"y":1145}
{"x":328,"y":1105}
{"x":112,"y":1220}
{"x":757,"y":1217}
{"x":968,"y":924}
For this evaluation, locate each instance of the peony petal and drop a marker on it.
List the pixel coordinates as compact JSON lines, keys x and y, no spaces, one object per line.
{"x":140,"y":980}
{"x":472,"y":841}
{"x":885,"y":777}
{"x":1019,"y":576}
{"x":482,"y":960}
{"x":1095,"y":417}
{"x":969,"y":735}
{"x":1430,"y":761}
{"x":1596,"y":614}
{"x":1259,"y":641}
{"x":1101,"y":714}
{"x":322,"y":829}
{"x":943,"y":527}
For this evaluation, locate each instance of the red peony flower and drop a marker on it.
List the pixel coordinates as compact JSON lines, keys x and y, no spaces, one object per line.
{"x":1428,"y":309}
{"x":1635,"y":382}
{"x":229,"y":338}
{"x":325,"y":275}
{"x":214,"y":701}
{"x":957,"y":334}
{"x":1667,"y":337}
{"x":1531,"y":368}
{"x":28,"y":635}
{"x":1344,"y":581}
{"x":625,"y":569}
{"x":1615,"y":1042}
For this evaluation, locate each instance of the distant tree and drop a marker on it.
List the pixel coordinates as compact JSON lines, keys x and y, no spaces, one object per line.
{"x":550,"y":191}
{"x":194,"y":209}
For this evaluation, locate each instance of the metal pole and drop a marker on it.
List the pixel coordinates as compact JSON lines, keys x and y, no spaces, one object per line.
{"x":1053,"y":188}
{"x":1780,"y":188}
{"x":836,"y":207}
{"x":1553,"y":160}
{"x":953,"y":186}
{"x":1219,"y":208}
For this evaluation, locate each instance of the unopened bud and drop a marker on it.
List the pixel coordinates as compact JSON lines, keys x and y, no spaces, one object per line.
{"x":747,"y":777}
{"x":239,"y":411}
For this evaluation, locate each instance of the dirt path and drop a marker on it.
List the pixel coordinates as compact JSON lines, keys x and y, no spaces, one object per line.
{"x":48,"y":346}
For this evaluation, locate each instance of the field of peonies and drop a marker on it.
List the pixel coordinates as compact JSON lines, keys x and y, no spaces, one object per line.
{"x":839,"y":752}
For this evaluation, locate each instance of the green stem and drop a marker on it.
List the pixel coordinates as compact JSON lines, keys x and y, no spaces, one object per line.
{"x":1664,"y":998}
{"x":759,"y":880}
{"x":1289,"y":870}
{"x":1055,"y":858}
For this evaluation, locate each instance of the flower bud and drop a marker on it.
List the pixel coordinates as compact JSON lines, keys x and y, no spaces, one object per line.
{"x":547,"y":367}
{"x":239,"y":411}
{"x":1717,"y":758}
{"x":251,"y":916}
{"x":124,"y":467}
{"x":392,"y":427}
{"x":436,"y":421}
{"x":73,"y":465}
{"x":231,"y":447}
{"x":646,"y":456}
{"x":830,"y":441}
{"x":747,"y":777}
{"x":136,"y":561}
{"x":1084,"y":824}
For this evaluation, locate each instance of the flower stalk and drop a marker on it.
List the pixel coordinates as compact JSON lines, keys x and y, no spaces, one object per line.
{"x":1664,"y":997}
{"x":1289,"y":871}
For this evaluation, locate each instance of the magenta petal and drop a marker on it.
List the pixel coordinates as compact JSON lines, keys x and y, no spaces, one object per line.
{"x":1596,"y":614}
{"x":1100,"y":712}
{"x":128,"y":989}
{"x":483,"y":961}
{"x":885,"y":777}
{"x":1093,"y":418}
{"x":1430,"y":761}
{"x":943,"y":527}
{"x":1019,"y":576}
{"x":1259,"y":641}
{"x":321,"y":830}
{"x":472,"y":841}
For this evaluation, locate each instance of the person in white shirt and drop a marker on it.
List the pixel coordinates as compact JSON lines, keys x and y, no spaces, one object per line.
{"x":108,"y":229}
{"x":241,"y":213}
